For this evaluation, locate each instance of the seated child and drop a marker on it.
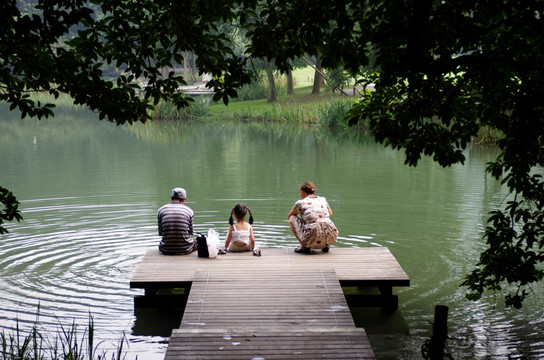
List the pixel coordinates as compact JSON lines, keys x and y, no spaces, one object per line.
{"x":240,"y":236}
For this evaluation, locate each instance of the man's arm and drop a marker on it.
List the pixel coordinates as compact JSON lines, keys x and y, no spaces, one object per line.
{"x":159,"y":223}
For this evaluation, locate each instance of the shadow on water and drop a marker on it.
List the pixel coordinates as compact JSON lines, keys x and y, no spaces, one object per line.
{"x":377,"y":321}
{"x":160,"y":313}
{"x":156,"y":321}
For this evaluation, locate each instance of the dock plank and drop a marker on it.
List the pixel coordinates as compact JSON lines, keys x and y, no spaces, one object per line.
{"x":269,"y":314}
{"x":282,"y":305}
{"x":264,"y":299}
{"x":353,"y":266}
{"x":310,"y":345}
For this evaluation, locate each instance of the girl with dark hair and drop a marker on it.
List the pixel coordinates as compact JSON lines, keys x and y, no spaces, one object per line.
{"x":240,"y":236}
{"x":310,"y":222}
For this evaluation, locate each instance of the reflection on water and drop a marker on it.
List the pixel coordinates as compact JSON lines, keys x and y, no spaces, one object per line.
{"x":156,"y":321}
{"x":89,"y":193}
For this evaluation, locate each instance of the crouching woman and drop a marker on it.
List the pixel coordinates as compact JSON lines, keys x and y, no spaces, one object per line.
{"x":310,"y":222}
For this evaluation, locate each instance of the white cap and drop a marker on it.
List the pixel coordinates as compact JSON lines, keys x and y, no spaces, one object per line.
{"x":179,"y":193}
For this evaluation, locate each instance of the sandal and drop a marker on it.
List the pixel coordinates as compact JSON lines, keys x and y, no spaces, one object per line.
{"x":303,"y":250}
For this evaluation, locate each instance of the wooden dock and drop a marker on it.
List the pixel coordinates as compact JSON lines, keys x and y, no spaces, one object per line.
{"x":281,"y":305}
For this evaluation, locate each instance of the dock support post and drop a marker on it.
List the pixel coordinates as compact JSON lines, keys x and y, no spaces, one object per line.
{"x":440,"y":332}
{"x":390,"y":301}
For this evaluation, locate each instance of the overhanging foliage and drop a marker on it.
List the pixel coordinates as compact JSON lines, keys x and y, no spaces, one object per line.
{"x":443,"y":71}
{"x":63,"y":46}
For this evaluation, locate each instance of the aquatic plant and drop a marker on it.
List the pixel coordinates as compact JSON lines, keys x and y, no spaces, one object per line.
{"x":66,"y":344}
{"x":292,"y":114}
{"x":167,"y":111}
{"x":332,"y":113}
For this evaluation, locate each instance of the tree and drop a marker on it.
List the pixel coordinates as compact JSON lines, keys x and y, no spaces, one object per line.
{"x":290,"y":82}
{"x":272,"y":94}
{"x":446,"y":69}
{"x":61,"y":46}
{"x":443,"y":71}
{"x":336,"y":79}
{"x":10,"y":208}
{"x":318,"y":77}
{"x":293,"y":64}
{"x":39,"y":51}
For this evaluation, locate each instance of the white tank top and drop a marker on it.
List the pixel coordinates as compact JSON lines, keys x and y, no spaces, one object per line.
{"x":240,"y":235}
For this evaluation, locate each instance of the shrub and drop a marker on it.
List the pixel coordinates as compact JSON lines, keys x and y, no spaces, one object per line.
{"x":257,"y":89}
{"x":332,"y":113}
{"x":166,"y":111}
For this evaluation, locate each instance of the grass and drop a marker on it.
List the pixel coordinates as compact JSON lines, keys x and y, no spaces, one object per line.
{"x":68,"y":344}
{"x":300,"y":110}
{"x":303,"y":77}
{"x":303,"y":96}
{"x":300,"y":107}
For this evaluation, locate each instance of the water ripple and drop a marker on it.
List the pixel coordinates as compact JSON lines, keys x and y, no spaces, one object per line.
{"x":75,"y":256}
{"x":69,"y":261}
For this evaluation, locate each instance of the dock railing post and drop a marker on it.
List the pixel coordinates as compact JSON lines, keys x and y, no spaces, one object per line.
{"x":440,"y":332}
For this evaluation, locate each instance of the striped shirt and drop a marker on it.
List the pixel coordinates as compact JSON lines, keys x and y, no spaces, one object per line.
{"x":176,"y":227}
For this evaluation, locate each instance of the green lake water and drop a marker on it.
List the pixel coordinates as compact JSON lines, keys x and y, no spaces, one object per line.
{"x":89,"y":193}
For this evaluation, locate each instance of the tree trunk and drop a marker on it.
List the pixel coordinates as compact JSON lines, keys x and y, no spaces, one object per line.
{"x":290,"y":84}
{"x":318,"y":78}
{"x":272,"y":96}
{"x":185,"y":64}
{"x":192,"y":65}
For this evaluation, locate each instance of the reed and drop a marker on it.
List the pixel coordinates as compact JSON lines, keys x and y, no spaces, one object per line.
{"x":67,"y":344}
{"x":161,"y":131}
{"x":486,"y":136}
{"x":293,"y":115}
{"x":166,"y":111}
{"x":281,"y":85}
{"x":328,"y":113}
{"x":332,"y":113}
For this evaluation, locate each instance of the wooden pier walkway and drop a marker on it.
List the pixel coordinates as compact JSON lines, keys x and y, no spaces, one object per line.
{"x":281,"y":305}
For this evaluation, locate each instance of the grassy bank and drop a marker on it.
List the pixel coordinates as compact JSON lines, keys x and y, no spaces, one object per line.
{"x":300,"y":108}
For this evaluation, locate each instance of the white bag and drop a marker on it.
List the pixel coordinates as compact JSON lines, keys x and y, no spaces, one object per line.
{"x":213,"y":243}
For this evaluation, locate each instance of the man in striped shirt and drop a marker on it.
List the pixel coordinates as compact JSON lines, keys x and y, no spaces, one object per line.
{"x":176,"y":225}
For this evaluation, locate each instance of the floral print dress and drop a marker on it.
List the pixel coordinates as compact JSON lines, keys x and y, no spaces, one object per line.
{"x":313,"y":224}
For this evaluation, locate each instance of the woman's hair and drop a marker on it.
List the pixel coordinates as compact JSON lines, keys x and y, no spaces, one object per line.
{"x":240,"y":210}
{"x":308,"y":187}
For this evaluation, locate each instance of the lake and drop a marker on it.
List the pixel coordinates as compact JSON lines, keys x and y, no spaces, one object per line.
{"x":90,"y":190}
